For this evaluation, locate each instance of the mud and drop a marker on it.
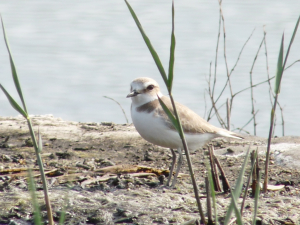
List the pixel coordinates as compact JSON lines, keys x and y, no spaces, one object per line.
{"x":73,"y":154}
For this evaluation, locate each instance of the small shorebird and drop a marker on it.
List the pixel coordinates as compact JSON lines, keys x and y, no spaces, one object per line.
{"x":153,"y":124}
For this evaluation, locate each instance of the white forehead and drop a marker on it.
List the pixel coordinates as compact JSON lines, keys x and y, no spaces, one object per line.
{"x":142,"y":83}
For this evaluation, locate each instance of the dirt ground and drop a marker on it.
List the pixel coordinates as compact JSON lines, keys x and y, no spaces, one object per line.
{"x":76,"y":154}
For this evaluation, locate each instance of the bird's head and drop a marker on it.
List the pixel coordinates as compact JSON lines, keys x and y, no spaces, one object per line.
{"x":143,"y":90}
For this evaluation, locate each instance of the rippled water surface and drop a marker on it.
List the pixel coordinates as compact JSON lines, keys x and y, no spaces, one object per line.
{"x":69,"y":54}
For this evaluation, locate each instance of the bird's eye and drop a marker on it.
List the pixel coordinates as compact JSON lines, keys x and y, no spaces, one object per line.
{"x":150,"y":87}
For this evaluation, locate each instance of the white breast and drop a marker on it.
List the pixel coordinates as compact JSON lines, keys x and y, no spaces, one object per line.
{"x":153,"y":129}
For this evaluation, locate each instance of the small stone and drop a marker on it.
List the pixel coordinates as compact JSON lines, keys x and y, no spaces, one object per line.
{"x":52,"y":156}
{"x":92,"y":124}
{"x":4,"y":145}
{"x":6,"y":158}
{"x":206,"y":152}
{"x":124,"y":220}
{"x":106,"y":163}
{"x":28,"y":142}
{"x":82,"y":166}
{"x":161,"y":179}
{"x":81,"y":148}
{"x":63,"y":155}
{"x":107,"y":124}
{"x":147,"y":157}
{"x":120,"y":212}
{"x":230,"y":150}
{"x":114,"y":181}
{"x":152,"y":184}
{"x":18,"y":222}
{"x":95,"y":219}
{"x":138,"y":182}
{"x":127,"y":146}
{"x":121,"y":186}
{"x":54,"y":164}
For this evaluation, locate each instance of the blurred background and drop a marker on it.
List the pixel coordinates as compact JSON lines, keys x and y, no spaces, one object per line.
{"x":69,"y":54}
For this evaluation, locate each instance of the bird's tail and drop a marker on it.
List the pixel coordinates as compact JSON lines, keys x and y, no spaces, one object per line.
{"x":226,"y":133}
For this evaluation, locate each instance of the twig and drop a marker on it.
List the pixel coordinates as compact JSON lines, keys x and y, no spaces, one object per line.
{"x":120,"y":107}
{"x":271,"y":222}
{"x":240,"y":130}
{"x":218,"y":111}
{"x":228,"y":75}
{"x":210,"y":92}
{"x":226,"y":186}
{"x":216,"y":57}
{"x":249,"y":121}
{"x":228,"y":114}
{"x":234,"y":66}
{"x":267,"y":67}
{"x":205,"y":105}
{"x":214,"y":171}
{"x":215,"y":102}
{"x":292,"y":64}
{"x":254,"y":85}
{"x":251,"y":84}
{"x":232,"y":221}
{"x":241,"y":52}
{"x":225,"y":56}
{"x":282,"y":119}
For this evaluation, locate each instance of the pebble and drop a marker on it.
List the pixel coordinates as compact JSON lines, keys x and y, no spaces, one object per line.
{"x":106,"y":163}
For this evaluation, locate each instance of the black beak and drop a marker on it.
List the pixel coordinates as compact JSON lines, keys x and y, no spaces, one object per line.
{"x":132,"y":94}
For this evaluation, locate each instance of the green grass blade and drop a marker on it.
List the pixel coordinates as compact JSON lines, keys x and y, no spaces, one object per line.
{"x":170,"y":115}
{"x":291,"y":42}
{"x":280,"y":63}
{"x":212,"y":191}
{"x":238,"y":188}
{"x":37,"y":213}
{"x":279,"y":68}
{"x":40,"y":144}
{"x":13,"y":68}
{"x":149,"y":45}
{"x":62,"y":217}
{"x":256,"y":197}
{"x":236,"y":210}
{"x":172,"y":52}
{"x":248,"y":182}
{"x":13,"y":103}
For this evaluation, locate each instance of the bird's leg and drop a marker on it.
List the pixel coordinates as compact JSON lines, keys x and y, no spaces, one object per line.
{"x":178,"y":167}
{"x":172,"y":166}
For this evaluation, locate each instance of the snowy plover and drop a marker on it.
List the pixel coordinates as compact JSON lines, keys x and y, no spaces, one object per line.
{"x":153,"y":124}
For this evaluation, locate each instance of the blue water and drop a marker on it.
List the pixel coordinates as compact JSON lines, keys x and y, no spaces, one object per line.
{"x":69,"y":54}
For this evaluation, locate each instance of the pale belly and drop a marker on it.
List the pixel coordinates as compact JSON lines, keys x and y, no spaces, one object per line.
{"x":155,"y":131}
